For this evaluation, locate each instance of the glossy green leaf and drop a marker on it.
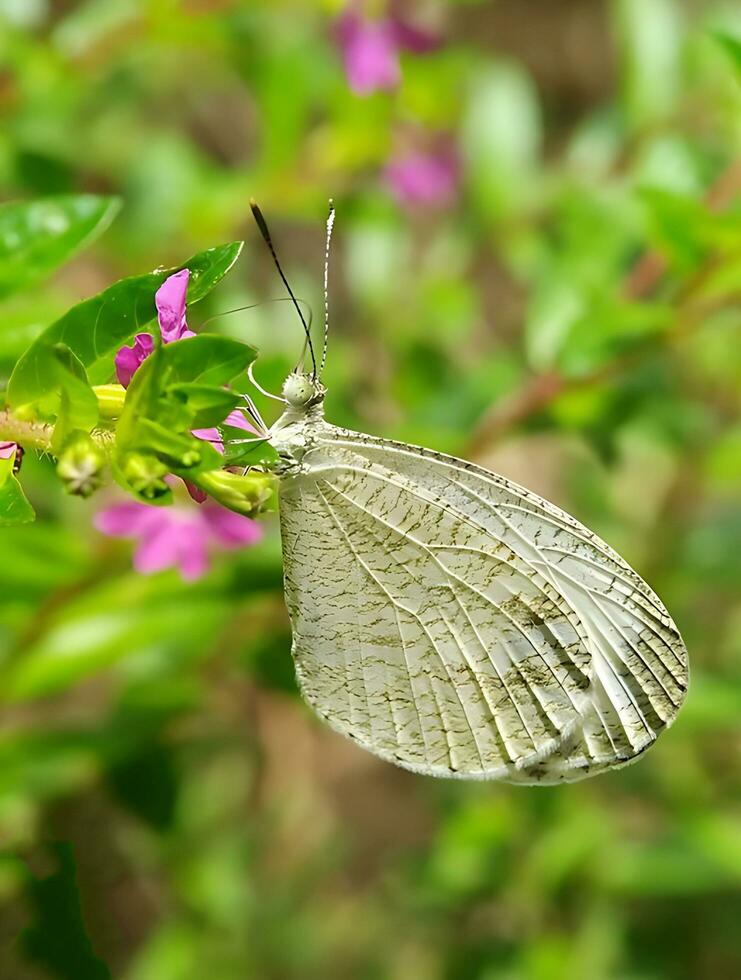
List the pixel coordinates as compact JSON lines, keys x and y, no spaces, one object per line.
{"x":98,"y":326}
{"x":249,"y":453}
{"x":14,"y":508}
{"x":208,"y":405}
{"x":36,"y":237}
{"x":78,"y":406}
{"x":207,"y":359}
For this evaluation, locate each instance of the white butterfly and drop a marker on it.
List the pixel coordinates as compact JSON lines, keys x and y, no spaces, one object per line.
{"x":456,"y":624}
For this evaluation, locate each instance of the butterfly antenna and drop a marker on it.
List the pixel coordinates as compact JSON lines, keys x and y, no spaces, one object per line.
{"x":262,"y":302}
{"x":330,"y":226}
{"x":262,"y":225}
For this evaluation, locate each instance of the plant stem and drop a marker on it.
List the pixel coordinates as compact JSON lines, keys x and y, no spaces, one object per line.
{"x":31,"y":435}
{"x":250,"y":494}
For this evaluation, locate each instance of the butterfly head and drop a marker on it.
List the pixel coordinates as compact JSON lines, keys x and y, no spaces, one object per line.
{"x":301,"y":391}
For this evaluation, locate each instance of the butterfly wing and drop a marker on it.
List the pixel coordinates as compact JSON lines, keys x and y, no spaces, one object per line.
{"x":458,"y":625}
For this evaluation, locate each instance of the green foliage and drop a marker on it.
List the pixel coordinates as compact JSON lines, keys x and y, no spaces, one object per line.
{"x":97,"y":327}
{"x":570,"y":319}
{"x":38,"y":237}
{"x":14,"y":508}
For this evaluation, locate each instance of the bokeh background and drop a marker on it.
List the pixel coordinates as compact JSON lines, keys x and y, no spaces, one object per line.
{"x":537,"y":265}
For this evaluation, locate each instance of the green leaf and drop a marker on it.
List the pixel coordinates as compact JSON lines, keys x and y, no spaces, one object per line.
{"x":256,"y":453}
{"x":732,"y":47}
{"x":78,"y":406}
{"x":208,"y":405}
{"x":121,"y":620}
{"x":97,"y":327}
{"x":207,"y":360}
{"x":184,"y":454}
{"x":36,"y":237}
{"x":14,"y":508}
{"x":176,"y":390}
{"x":650,"y":41}
{"x":501,"y":136}
{"x":6,"y":467}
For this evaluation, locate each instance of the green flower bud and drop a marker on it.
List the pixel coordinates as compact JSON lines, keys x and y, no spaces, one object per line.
{"x":145,"y":474}
{"x":80,"y":466}
{"x":250,"y":495}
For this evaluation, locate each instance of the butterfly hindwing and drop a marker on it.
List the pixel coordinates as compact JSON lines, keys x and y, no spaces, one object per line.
{"x":458,"y":625}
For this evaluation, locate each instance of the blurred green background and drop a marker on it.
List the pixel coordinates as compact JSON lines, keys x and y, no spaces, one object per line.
{"x":565,"y":311}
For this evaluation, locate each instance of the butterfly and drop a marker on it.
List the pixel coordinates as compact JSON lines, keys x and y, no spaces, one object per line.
{"x":453,"y":622}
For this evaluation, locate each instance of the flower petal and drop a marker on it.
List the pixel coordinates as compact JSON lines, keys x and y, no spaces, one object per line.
{"x":170,"y":302}
{"x":412,"y":38}
{"x":159,"y":549}
{"x":129,"y":359}
{"x":370,"y":51}
{"x":193,"y":559}
{"x":126,"y":520}
{"x":423,"y":178}
{"x":200,"y":496}
{"x":210,"y":435}
{"x":238,"y":420}
{"x":7,"y":449}
{"x":228,"y":529}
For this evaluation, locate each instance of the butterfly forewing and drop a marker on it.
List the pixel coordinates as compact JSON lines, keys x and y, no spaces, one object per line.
{"x":456,"y":624}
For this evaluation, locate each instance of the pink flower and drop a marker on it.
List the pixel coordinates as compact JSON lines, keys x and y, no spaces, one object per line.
{"x":371,"y":48}
{"x":128,"y":359}
{"x":179,"y":536}
{"x":237,"y":420}
{"x":423,"y":178}
{"x":170,"y":302}
{"x":7,"y":450}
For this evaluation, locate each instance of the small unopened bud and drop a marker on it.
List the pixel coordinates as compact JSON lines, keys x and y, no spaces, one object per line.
{"x":145,"y":475}
{"x":190,"y":459}
{"x":80,"y":466}
{"x":249,"y":495}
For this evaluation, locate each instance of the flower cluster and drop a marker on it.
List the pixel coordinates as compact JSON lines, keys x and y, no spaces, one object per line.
{"x":371,"y":48}
{"x":181,"y":535}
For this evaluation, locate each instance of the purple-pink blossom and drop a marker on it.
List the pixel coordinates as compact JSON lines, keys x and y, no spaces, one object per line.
{"x":7,"y":450}
{"x":238,"y":421}
{"x":423,"y":178}
{"x":371,"y":47}
{"x":180,"y":536}
{"x":170,"y":302}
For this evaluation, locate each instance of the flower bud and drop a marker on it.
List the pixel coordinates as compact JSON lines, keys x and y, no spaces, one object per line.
{"x":250,"y":495}
{"x":145,"y":474}
{"x":80,"y":466}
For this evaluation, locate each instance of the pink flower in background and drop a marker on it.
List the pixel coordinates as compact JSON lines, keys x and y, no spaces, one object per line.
{"x":370,"y":48}
{"x":423,"y":178}
{"x":179,"y":536}
{"x":7,"y":449}
{"x":170,"y":302}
